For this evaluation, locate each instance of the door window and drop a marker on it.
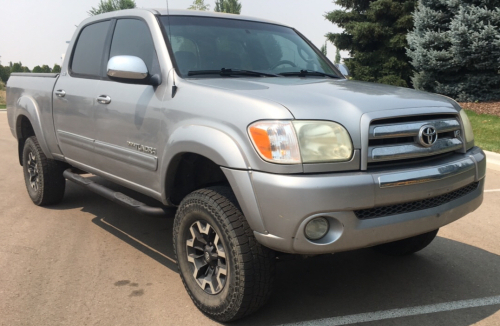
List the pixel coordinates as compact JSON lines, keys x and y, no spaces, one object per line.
{"x":132,"y":37}
{"x":89,"y":49}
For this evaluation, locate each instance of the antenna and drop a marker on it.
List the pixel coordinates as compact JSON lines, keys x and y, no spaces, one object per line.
{"x":168,"y":18}
{"x":174,"y":87}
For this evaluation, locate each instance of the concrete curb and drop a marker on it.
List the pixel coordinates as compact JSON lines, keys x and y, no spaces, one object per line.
{"x":492,"y":160}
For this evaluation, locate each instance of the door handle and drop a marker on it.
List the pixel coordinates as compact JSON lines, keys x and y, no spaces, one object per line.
{"x":104,"y":99}
{"x":60,"y":93}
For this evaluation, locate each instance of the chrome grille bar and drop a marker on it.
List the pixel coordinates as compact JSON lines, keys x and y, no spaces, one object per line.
{"x":409,"y":129}
{"x":432,"y":174}
{"x":412,"y":150}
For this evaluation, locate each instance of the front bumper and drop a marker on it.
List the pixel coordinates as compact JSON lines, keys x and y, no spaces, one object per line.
{"x":287,"y":202}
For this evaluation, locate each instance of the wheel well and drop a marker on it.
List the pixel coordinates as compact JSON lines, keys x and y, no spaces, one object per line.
{"x":24,"y":130}
{"x":188,"y":172}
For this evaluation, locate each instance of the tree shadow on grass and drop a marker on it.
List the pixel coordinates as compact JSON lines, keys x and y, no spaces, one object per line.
{"x":327,"y":286}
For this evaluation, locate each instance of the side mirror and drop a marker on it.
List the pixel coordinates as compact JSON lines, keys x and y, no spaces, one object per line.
{"x":343,"y":69}
{"x":127,"y":68}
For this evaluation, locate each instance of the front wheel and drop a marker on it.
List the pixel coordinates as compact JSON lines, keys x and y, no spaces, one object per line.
{"x":226,"y":272}
{"x":407,"y":246}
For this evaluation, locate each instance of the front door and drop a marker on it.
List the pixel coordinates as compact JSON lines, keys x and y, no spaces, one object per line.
{"x":129,"y":122}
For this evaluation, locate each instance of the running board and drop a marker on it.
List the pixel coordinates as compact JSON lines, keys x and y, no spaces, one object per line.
{"x":114,"y":196}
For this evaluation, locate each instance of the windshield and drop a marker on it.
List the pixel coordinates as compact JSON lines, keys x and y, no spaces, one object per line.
{"x":205,"y":44}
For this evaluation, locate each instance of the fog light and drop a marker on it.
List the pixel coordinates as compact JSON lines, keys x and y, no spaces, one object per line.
{"x":316,"y":228}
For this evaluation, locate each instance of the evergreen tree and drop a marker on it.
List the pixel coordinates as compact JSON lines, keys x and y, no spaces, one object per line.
{"x":228,"y":6}
{"x":56,"y":69}
{"x":337,"y":56}
{"x":455,"y":48}
{"x":199,"y":5}
{"x":375,"y":36}
{"x":111,"y":5}
{"x":37,"y":69}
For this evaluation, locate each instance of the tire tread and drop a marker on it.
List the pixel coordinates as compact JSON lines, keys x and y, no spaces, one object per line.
{"x":255,"y":263}
{"x":53,"y":183}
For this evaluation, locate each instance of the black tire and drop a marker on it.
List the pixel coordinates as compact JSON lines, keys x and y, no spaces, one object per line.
{"x":43,"y":177}
{"x":249,"y":266}
{"x":407,"y":246}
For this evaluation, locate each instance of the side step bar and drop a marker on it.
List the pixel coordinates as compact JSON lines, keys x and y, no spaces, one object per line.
{"x":116,"y":197}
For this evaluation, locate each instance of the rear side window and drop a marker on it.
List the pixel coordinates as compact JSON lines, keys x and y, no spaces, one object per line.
{"x":132,"y":37}
{"x":87,"y":57}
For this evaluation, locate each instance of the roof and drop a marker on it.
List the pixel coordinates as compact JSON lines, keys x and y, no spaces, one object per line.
{"x":175,"y":12}
{"x":178,"y":12}
{"x":186,"y":12}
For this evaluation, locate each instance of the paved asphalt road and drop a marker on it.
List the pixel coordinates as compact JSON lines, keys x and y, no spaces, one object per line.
{"x":88,"y":261}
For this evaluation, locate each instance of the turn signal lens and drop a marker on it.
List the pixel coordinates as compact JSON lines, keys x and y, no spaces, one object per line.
{"x":275,"y":141}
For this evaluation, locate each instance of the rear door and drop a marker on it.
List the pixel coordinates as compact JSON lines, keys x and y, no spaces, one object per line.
{"x":129,"y":127}
{"x":75,"y":94}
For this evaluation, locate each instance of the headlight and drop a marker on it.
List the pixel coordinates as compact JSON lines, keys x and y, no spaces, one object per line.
{"x":469,"y":135}
{"x":275,"y":141}
{"x":295,"y":142}
{"x":323,"y":141}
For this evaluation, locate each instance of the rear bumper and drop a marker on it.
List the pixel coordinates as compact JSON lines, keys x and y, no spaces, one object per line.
{"x":287,"y":202}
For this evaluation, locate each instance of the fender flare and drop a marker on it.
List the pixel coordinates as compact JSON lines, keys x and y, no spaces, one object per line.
{"x":224,"y":151}
{"x":27,"y":106}
{"x":209,"y":142}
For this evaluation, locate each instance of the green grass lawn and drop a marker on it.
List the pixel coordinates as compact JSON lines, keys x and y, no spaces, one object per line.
{"x":486,"y":130}
{"x":3,"y":106}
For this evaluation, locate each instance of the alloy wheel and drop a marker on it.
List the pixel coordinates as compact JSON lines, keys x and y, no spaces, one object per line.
{"x":33,"y":171}
{"x":207,"y":257}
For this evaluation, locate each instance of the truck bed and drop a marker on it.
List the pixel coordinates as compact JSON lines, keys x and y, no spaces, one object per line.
{"x":32,"y":93}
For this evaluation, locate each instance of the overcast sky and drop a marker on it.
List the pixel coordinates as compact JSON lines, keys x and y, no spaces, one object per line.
{"x":35,"y":31}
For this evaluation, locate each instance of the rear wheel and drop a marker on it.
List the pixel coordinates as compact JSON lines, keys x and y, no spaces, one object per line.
{"x":43,"y":177}
{"x":227,"y":273}
{"x":407,"y":246}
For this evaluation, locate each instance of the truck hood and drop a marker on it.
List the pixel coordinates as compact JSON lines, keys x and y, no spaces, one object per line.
{"x":341,"y":100}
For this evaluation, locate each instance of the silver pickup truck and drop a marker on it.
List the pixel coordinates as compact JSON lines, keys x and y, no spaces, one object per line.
{"x":257,"y":138}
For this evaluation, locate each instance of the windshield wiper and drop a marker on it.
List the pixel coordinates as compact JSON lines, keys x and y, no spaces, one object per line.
{"x":304,"y":73}
{"x":230,"y":72}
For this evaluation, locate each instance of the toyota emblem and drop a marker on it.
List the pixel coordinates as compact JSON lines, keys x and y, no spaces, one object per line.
{"x":427,"y":136}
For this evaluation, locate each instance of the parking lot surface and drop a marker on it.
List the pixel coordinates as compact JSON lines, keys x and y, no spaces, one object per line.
{"x":88,"y":261}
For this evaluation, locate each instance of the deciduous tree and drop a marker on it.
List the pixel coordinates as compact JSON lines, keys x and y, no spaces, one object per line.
{"x":4,"y":73}
{"x":375,"y":36}
{"x":228,"y":6}
{"x":46,"y":69}
{"x":17,"y":67}
{"x":199,"y":5}
{"x":324,"y":49}
{"x":111,"y":5}
{"x":337,"y":56}
{"x":56,"y":69}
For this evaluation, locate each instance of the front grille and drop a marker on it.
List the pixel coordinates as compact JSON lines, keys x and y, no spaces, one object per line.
{"x":398,"y":138}
{"x":415,"y":205}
